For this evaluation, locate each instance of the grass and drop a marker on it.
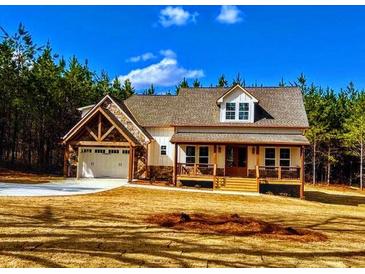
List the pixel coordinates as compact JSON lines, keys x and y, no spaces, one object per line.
{"x":109,"y":229}
{"x":12,"y":176}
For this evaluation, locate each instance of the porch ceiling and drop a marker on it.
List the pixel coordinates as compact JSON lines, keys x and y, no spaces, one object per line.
{"x":241,"y":138}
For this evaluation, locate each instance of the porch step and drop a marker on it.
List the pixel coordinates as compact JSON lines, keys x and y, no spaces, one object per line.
{"x":238,"y":184}
{"x":239,"y":189}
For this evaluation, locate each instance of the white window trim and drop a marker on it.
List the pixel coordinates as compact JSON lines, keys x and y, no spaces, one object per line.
{"x":251,"y":109}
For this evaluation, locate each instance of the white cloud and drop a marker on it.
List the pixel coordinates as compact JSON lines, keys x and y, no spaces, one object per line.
{"x":168,"y":53}
{"x":143,"y":57}
{"x":165,"y":73}
{"x":230,"y":15}
{"x":170,"y":16}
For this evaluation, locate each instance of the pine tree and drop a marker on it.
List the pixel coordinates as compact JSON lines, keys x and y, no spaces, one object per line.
{"x":127,"y":88}
{"x":183,"y":84}
{"x":150,"y":90}
{"x":239,"y":81}
{"x":222,"y":82}
{"x":354,"y":135}
{"x":196,"y":83}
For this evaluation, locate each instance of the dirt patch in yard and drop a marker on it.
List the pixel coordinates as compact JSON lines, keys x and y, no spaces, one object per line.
{"x":14,"y":176}
{"x":234,"y":225}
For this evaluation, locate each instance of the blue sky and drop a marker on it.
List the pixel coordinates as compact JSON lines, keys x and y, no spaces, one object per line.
{"x":162,"y":44}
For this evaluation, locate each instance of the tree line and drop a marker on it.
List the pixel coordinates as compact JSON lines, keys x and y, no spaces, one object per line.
{"x":40,"y":94}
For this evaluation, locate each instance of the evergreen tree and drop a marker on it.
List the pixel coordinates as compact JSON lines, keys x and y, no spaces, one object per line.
{"x":354,"y":135}
{"x":127,"y":88}
{"x":183,"y":84}
{"x":150,"y":90}
{"x":196,"y":83}
{"x":222,"y":82}
{"x":239,"y":81}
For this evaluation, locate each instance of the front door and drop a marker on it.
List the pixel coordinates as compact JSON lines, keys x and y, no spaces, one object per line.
{"x":236,"y":160}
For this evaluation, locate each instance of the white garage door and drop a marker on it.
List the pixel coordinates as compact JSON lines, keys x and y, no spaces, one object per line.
{"x":97,"y":162}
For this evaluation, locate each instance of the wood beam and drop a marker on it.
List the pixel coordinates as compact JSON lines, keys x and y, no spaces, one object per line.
{"x":107,"y":133}
{"x":92,"y":133}
{"x":116,"y":126}
{"x":99,"y":127}
{"x":96,"y":143}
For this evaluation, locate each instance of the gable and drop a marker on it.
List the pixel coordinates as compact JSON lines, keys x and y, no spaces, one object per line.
{"x":236,"y":91}
{"x":120,"y":119}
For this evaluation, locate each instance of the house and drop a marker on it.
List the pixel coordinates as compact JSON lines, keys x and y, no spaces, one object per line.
{"x":238,"y":138}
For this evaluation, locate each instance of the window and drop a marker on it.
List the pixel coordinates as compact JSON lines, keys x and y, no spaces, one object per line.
{"x":243,"y":111}
{"x":203,"y":155}
{"x":163,"y":150}
{"x":99,"y":150}
{"x":230,"y":111}
{"x":86,"y":150}
{"x":113,"y":151}
{"x":285,"y":157}
{"x":125,"y":151}
{"x":270,"y":156}
{"x":190,"y":155}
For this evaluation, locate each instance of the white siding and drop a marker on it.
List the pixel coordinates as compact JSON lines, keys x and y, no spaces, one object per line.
{"x":161,"y":137}
{"x":238,"y":96}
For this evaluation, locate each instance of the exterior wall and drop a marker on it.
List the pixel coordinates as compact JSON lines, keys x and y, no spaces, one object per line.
{"x":294,"y":155}
{"x":161,"y":137}
{"x":220,"y":154}
{"x":238,"y":96}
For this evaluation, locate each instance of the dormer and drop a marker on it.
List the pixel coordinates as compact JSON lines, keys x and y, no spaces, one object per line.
{"x":237,"y":105}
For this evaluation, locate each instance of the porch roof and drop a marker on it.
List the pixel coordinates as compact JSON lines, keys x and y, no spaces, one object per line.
{"x":240,"y":138}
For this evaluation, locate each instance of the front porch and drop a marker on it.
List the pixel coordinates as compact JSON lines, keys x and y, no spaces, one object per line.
{"x":239,"y":167}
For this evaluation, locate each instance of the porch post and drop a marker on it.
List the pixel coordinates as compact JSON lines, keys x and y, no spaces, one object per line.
{"x":257,"y":150}
{"x":174,"y":168}
{"x":257,"y":155}
{"x":302,"y":172}
{"x":214,"y":164}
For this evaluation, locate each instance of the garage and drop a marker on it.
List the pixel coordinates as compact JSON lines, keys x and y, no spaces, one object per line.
{"x":96,"y":162}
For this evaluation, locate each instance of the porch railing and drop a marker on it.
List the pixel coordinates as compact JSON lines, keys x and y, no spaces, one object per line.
{"x":278,"y":172}
{"x":196,"y":169}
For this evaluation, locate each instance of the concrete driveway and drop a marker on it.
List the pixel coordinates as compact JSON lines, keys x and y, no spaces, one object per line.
{"x":61,"y":187}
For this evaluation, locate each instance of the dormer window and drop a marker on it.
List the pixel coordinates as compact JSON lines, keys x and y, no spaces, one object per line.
{"x":243,"y":111}
{"x":230,"y":111}
{"x":237,"y":105}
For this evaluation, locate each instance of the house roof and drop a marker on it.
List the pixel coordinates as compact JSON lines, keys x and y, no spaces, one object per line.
{"x":242,"y":138}
{"x":277,"y":107}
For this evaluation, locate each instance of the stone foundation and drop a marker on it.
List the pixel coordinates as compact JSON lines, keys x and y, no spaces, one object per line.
{"x":163,"y":173}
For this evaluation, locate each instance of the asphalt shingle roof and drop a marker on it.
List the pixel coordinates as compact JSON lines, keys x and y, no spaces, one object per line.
{"x":277,"y":107}
{"x":242,"y":138}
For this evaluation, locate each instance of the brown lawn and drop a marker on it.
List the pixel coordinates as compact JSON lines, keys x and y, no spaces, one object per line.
{"x":12,"y":176}
{"x":110,"y":229}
